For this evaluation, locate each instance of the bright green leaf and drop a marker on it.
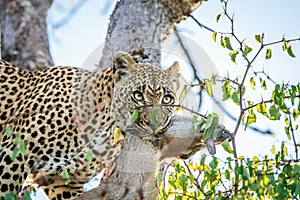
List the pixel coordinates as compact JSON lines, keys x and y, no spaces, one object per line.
{"x":65,"y":176}
{"x":268,"y":53}
{"x":262,"y":108}
{"x":200,"y":125}
{"x":235,"y":97}
{"x":274,"y":113}
{"x":89,"y":156}
{"x":290,"y":52}
{"x":135,"y":116}
{"x":8,"y":131}
{"x":202,"y":160}
{"x":208,"y":87}
{"x":227,"y":174}
{"x":246,"y":51}
{"x":251,"y":118}
{"x":258,"y":38}
{"x":226,"y":90}
{"x":214,"y":163}
{"x":227,"y":43}
{"x":14,"y":154}
{"x":233,"y":55}
{"x":26,"y":195}
{"x":226,"y":146}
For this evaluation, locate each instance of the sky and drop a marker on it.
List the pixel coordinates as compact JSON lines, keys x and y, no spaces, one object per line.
{"x":74,"y":41}
{"x":83,"y":32}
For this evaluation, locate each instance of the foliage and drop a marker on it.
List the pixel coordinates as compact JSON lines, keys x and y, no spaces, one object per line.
{"x":274,"y":176}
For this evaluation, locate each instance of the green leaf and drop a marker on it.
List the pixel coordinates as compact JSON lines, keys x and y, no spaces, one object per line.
{"x":89,"y":156}
{"x":214,"y":163}
{"x":226,"y":90}
{"x":251,"y":118}
{"x":153,"y":117}
{"x":268,"y":53}
{"x":258,"y":38}
{"x":235,"y":97}
{"x":11,"y":196}
{"x":262,"y":108}
{"x":18,"y":139}
{"x":8,"y":131}
{"x":15,"y":154}
{"x":227,"y":174}
{"x":274,"y":112}
{"x":227,"y":43}
{"x":226,"y":146}
{"x":233,"y":55}
{"x":218,"y":17}
{"x":26,"y":195}
{"x":183,"y":182}
{"x":183,"y":92}
{"x":135,"y":116}
{"x":246,"y":51}
{"x":252,"y":83}
{"x":211,"y":124}
{"x":200,"y":125}
{"x":202,"y":161}
{"x":208,"y":87}
{"x":284,"y":46}
{"x":216,"y":132}
{"x":213,"y":79}
{"x":23,"y":148}
{"x":160,"y":176}
{"x":263,"y":83}
{"x":214,"y":36}
{"x":290,"y":52}
{"x":65,"y":176}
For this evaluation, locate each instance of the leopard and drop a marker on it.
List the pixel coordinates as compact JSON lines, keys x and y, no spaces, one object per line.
{"x":63,"y":125}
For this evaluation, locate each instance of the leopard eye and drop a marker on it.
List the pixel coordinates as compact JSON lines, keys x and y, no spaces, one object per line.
{"x":137,"y":95}
{"x":168,"y":99}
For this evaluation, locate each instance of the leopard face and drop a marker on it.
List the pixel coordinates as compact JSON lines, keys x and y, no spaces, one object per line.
{"x":62,"y":114}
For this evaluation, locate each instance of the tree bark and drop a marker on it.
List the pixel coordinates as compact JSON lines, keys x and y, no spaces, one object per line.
{"x":138,"y":27}
{"x":24,"y":38}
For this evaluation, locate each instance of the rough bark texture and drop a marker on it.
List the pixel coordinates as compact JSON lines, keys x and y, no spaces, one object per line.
{"x":138,"y":27}
{"x":24,"y":39}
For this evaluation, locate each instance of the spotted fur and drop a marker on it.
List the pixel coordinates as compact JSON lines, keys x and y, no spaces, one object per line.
{"x":62,"y":114}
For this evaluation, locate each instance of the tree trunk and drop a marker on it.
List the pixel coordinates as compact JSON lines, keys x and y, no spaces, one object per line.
{"x":24,"y":40}
{"x":138,"y":27}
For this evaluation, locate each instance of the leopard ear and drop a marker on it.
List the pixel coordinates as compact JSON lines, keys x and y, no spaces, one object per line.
{"x":123,"y":63}
{"x":174,"y":72}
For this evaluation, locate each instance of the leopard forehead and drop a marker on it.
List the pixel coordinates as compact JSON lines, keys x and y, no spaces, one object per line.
{"x":147,"y":74}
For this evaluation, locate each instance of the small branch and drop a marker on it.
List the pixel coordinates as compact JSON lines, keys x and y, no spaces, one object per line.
{"x":186,"y":52}
{"x":293,"y":136}
{"x":200,"y":24}
{"x":196,"y":182}
{"x":269,"y":101}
